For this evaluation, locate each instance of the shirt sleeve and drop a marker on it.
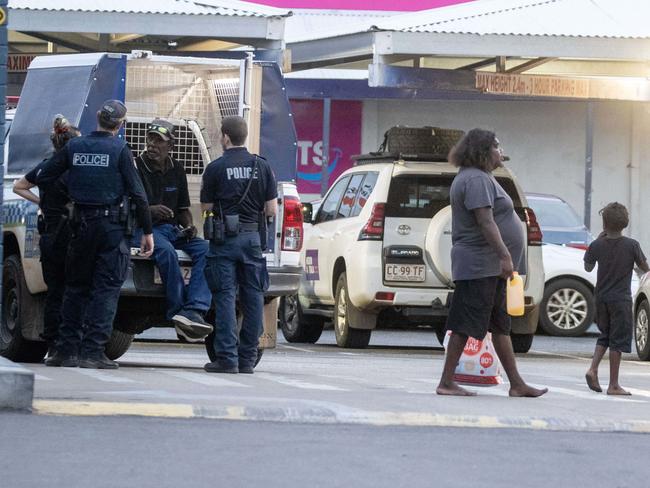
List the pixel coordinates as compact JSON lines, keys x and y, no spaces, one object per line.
{"x":135,"y":189}
{"x":208,"y":186}
{"x":639,"y":257}
{"x":31,"y":176}
{"x":479,"y":193}
{"x":591,"y":254}
{"x":54,"y":167}
{"x":183,"y":192}
{"x":271,"y":191}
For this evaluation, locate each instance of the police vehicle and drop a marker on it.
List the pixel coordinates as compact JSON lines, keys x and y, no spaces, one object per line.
{"x":192,"y":93}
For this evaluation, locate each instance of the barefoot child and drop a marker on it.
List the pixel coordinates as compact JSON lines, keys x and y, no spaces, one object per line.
{"x":616,"y":256}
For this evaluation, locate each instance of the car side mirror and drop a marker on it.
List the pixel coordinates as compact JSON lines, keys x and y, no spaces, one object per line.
{"x":307,"y":213}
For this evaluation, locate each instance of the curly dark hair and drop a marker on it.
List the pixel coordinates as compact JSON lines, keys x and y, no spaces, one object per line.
{"x":473,"y":150}
{"x":615,"y":217}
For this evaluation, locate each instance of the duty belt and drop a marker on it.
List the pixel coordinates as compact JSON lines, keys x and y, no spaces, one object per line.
{"x":248,"y":227}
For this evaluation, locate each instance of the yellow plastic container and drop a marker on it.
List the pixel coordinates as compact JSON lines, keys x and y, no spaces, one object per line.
{"x":515,"y":295}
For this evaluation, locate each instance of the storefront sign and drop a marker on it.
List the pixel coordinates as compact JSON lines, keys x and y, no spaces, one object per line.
{"x":18,"y":63}
{"x":345,"y":140}
{"x":533,"y":86}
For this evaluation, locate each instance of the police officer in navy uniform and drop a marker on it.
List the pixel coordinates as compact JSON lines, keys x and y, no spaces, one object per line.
{"x":53,"y":229}
{"x":101,"y":173}
{"x":239,"y":190}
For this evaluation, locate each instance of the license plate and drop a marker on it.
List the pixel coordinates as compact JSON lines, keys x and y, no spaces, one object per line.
{"x":404,"y":272}
{"x":186,"y":272}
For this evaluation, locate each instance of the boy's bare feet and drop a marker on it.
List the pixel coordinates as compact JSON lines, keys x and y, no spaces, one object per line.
{"x":453,"y":389}
{"x":617,"y":390}
{"x":592,"y":381}
{"x":526,"y":391}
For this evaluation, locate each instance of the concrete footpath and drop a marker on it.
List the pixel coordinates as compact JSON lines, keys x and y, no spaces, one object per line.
{"x":16,"y":386}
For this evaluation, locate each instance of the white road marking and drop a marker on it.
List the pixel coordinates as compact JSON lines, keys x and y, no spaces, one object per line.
{"x":207,"y":379}
{"x":586,"y":394}
{"x":103,"y":375}
{"x":285,"y":346}
{"x":40,"y":377}
{"x":283,"y":380}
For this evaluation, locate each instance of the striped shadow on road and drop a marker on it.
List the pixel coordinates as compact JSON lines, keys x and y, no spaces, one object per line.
{"x":322,"y":415}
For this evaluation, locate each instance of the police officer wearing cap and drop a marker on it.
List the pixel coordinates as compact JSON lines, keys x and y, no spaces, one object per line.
{"x":101,"y":172}
{"x":239,"y":190}
{"x":165,"y":183}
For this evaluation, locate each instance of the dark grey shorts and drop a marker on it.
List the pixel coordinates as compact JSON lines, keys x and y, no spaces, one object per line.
{"x":479,"y":306}
{"x":614,"y":320}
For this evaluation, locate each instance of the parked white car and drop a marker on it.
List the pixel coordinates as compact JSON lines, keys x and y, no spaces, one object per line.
{"x":568,"y":308}
{"x":378,"y":251}
{"x":641,"y":318}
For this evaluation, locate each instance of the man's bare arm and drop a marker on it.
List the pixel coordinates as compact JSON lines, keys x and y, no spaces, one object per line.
{"x":271,"y":208}
{"x":644,"y":266}
{"x":485,"y":219}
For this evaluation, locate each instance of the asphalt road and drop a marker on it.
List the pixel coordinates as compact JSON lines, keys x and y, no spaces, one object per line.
{"x":110,"y":452}
{"x":318,"y":415}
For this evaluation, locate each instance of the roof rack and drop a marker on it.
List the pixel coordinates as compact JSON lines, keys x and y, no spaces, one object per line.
{"x":389,"y":157}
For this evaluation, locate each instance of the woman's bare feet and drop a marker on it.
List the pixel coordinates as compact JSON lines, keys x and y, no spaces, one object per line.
{"x":526,"y":391}
{"x":617,"y":390}
{"x":453,"y":389}
{"x":592,"y":381}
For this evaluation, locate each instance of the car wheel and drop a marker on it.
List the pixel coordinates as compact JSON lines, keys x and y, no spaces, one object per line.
{"x":296,"y":326}
{"x":346,"y":335}
{"x":18,"y":305}
{"x":521,"y":342}
{"x":641,"y":338}
{"x":118,"y":344}
{"x":567,"y":309}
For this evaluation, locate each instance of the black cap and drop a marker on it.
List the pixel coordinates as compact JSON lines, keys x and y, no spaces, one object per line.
{"x":163,"y":128}
{"x":112,"y":111}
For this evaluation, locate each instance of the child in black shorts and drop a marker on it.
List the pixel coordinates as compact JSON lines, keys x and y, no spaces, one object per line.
{"x":616,"y":256}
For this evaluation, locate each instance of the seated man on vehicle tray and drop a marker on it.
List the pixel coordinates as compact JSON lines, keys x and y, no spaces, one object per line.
{"x":165,"y":182}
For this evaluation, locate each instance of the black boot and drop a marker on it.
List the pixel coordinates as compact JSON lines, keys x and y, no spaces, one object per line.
{"x":60,"y":359}
{"x":98,"y":362}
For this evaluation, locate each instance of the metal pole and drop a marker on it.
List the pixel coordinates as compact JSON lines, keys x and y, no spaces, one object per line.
{"x":589,"y":160}
{"x":324,"y":175}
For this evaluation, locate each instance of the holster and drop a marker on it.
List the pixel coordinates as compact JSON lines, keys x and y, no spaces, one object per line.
{"x":263,"y":230}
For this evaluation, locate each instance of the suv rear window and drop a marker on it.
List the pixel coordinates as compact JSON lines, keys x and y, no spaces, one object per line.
{"x":418,"y":196}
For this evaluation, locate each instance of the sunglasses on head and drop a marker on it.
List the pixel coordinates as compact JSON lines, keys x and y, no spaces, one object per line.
{"x":158,"y":128}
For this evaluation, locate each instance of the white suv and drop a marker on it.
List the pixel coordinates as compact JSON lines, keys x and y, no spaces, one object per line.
{"x":378,"y":251}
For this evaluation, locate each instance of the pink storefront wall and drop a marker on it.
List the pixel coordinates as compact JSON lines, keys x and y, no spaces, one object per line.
{"x":385,"y":5}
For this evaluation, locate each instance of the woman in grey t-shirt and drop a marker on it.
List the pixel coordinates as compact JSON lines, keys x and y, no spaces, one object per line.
{"x":488,"y":246}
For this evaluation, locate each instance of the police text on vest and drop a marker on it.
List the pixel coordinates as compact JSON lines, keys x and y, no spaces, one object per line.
{"x":89,"y":159}
{"x":239,"y":173}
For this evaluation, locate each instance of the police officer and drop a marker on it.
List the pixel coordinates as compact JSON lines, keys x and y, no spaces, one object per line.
{"x":100,"y":173}
{"x":54,"y":231}
{"x":238,"y":191}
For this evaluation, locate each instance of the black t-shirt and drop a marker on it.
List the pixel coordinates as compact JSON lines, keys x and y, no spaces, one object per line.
{"x":616,"y":259}
{"x":54,"y":196}
{"x":168,"y":188}
{"x":225,"y":181}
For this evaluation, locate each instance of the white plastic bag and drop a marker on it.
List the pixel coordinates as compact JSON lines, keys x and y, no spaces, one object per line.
{"x":479,"y":364}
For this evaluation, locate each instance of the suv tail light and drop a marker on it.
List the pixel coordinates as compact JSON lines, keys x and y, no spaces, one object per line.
{"x":374,"y":228}
{"x":534,"y":230}
{"x":292,"y":232}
